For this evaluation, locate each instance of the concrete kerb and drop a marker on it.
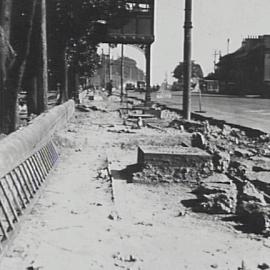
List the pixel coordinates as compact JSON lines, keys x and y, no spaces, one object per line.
{"x":21,"y":144}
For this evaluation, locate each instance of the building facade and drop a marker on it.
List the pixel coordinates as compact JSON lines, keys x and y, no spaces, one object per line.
{"x":111,"y":69}
{"x":247,"y":70}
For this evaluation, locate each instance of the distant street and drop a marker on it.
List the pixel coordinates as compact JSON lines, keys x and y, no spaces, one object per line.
{"x":252,"y":112}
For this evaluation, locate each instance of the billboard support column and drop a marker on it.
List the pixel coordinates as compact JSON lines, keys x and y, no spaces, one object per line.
{"x":148,"y":74}
{"x":122,"y":72}
{"x":109,"y":53}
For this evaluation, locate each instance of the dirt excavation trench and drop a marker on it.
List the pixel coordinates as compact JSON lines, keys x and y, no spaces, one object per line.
{"x":99,"y":210}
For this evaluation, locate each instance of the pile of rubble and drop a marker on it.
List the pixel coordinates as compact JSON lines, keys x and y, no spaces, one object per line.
{"x":240,"y":183}
{"x":236,"y":181}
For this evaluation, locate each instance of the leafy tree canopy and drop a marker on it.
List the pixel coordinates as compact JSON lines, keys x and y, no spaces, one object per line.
{"x":74,"y":24}
{"x":197,"y":72}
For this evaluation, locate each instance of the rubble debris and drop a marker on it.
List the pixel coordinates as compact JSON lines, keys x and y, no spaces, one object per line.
{"x":144,"y":224}
{"x":255,"y":216}
{"x":86,"y":108}
{"x":83,"y":108}
{"x":34,"y":268}
{"x":260,"y":169}
{"x":250,"y":194}
{"x":263,"y":266}
{"x":221,"y":161}
{"x":182,"y":213}
{"x":167,"y":114}
{"x":217,"y":194}
{"x":190,"y":126}
{"x":242,"y":153}
{"x":114,"y":216}
{"x":127,"y":131}
{"x":261,"y":164}
{"x":238,"y":168}
{"x":235,"y":132}
{"x":140,"y":122}
{"x":130,"y":258}
{"x":72,"y":130}
{"x":264,"y":138}
{"x":226,"y":130}
{"x":103,"y":174}
{"x":260,"y":180}
{"x":198,"y":140}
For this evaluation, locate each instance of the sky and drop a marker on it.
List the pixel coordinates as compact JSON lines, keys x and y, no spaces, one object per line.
{"x":214,"y":22}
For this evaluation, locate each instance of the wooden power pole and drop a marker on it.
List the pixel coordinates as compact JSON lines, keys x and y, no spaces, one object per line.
{"x":187,"y":60}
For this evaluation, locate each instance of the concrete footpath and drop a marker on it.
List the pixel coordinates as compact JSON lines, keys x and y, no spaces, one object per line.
{"x":76,"y":223}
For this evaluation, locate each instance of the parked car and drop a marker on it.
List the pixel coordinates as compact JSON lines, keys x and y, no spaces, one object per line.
{"x":141,"y":86}
{"x":130,"y":86}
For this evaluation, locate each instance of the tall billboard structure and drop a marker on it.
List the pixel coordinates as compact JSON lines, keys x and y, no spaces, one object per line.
{"x":134,"y":26}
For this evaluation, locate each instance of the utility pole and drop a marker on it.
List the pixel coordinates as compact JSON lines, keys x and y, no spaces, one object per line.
{"x":122,"y":72}
{"x":187,"y":60}
{"x":148,"y":74}
{"x":166,"y":80}
{"x":215,"y":59}
{"x":228,"y":45}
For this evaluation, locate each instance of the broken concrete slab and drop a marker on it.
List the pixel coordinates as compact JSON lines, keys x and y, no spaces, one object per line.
{"x":172,"y":156}
{"x":148,"y":110}
{"x":171,"y":164}
{"x":249,"y":193}
{"x":217,"y":195}
{"x":136,"y":116}
{"x":245,"y":153}
{"x":198,"y":140}
{"x":261,"y":180}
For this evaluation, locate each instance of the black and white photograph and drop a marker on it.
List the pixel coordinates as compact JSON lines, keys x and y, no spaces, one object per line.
{"x":134,"y":134}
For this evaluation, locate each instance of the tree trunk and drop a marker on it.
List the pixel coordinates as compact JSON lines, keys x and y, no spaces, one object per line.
{"x":43,"y":86}
{"x":6,"y":57}
{"x":5,"y":16}
{"x":16,"y":72}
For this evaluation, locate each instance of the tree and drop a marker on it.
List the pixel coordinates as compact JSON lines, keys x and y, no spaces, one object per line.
{"x":197,"y":72}
{"x":74,"y":33}
{"x":16,"y":22}
{"x":72,"y":48}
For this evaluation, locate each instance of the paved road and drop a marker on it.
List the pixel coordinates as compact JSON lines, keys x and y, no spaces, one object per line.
{"x":252,"y":112}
